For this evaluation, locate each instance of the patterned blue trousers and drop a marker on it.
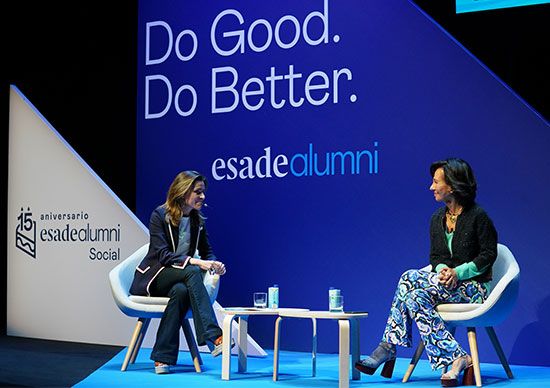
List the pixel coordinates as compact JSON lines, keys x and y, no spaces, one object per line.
{"x":418,"y":293}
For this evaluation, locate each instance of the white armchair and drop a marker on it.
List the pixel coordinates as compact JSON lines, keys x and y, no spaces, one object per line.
{"x":145,"y":308}
{"x":497,"y":307}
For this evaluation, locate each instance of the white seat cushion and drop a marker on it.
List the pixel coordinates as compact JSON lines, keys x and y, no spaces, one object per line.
{"x":457,"y":307}
{"x":156,"y":300}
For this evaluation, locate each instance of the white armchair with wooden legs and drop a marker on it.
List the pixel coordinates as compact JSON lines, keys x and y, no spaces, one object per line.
{"x":497,"y":307}
{"x":145,"y":308}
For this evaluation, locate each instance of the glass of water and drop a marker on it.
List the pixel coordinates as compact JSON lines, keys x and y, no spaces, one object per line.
{"x":337,"y":304}
{"x":260,"y":300}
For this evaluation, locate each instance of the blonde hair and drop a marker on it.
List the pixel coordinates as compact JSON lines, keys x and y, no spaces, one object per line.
{"x":179,"y":190}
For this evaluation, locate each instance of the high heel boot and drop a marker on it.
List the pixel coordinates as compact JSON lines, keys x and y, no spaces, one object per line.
{"x":464,"y":363}
{"x":384,"y":353}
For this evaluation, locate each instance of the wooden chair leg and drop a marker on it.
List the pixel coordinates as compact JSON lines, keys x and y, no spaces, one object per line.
{"x":414,"y":361}
{"x":500,"y":353}
{"x":141,"y":336}
{"x":192,"y":343}
{"x":472,"y":340}
{"x":132,"y":344}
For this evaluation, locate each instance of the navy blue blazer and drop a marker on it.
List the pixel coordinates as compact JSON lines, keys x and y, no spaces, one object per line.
{"x":164,"y":238}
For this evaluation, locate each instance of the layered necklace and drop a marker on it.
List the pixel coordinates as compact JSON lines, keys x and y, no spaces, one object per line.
{"x":453,"y":215}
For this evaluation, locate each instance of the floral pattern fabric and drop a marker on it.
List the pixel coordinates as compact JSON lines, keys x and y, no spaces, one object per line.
{"x":418,"y":293}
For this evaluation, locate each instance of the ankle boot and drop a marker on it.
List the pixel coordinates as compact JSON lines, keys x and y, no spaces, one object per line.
{"x":384,"y":353}
{"x":464,"y":363}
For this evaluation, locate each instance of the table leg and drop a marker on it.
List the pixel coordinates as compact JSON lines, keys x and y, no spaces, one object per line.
{"x":276,"y":345}
{"x":343,"y":356}
{"x":226,"y":346}
{"x":355,"y":352}
{"x":243,"y":342}
{"x":314,"y":348}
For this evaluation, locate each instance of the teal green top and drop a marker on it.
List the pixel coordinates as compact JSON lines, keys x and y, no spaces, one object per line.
{"x":463,"y":271}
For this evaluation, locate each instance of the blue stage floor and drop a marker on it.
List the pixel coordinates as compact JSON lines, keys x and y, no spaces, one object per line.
{"x":295,"y":371}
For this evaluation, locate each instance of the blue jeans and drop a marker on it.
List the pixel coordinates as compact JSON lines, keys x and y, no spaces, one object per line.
{"x":185,"y":289}
{"x":418,"y":293}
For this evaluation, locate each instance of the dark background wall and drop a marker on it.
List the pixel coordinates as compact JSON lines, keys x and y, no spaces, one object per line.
{"x":77,"y":64}
{"x":510,"y":42}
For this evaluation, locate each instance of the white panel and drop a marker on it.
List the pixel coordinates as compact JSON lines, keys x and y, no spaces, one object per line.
{"x":61,"y":293}
{"x":56,"y":206}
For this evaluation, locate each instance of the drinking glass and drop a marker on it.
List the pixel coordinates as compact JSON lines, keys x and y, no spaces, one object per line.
{"x":260,"y":300}
{"x":337,"y":304}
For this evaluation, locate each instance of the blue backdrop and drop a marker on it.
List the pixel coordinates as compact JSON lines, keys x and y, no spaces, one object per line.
{"x":315,"y":123}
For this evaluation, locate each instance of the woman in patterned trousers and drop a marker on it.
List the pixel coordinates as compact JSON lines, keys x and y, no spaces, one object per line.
{"x":463,"y":248}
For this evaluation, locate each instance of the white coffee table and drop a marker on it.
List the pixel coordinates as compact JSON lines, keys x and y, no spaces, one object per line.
{"x":242,"y":314}
{"x":348,"y":334}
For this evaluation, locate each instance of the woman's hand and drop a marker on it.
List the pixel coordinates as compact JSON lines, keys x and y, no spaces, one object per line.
{"x":219,"y":267}
{"x":212,"y":266}
{"x":448,"y":278}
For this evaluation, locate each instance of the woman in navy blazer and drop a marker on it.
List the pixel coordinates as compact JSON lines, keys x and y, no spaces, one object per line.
{"x":178,"y":253}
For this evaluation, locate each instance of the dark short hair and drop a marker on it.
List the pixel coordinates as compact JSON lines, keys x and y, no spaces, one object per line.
{"x":460,"y":176}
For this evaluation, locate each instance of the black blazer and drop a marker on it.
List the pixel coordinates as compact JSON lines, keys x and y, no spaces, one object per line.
{"x":475,"y":239}
{"x":163,"y":243}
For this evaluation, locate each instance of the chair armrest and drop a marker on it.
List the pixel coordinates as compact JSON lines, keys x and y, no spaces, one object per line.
{"x":212,"y":284}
